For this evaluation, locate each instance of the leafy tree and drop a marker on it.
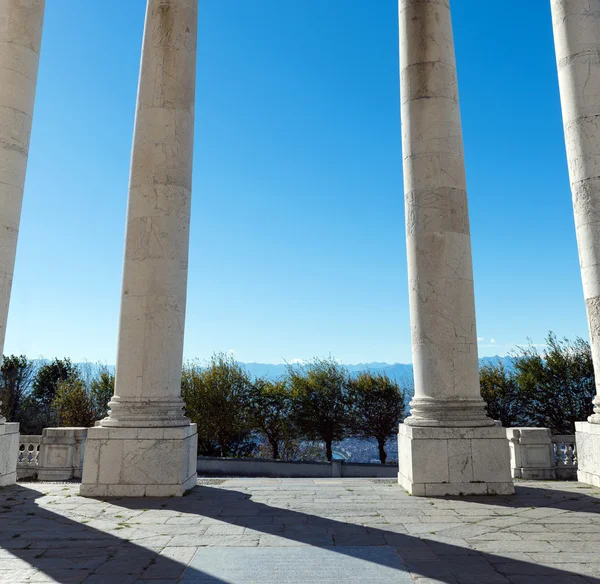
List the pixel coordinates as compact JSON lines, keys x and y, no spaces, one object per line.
{"x":34,"y":417}
{"x":217,"y":397}
{"x":73,"y":405}
{"x":501,"y":392}
{"x":50,"y":376}
{"x":16,"y":375}
{"x":102,"y":388}
{"x":557,"y":386}
{"x":271,"y":412}
{"x":377,"y":407}
{"x":320,"y":393}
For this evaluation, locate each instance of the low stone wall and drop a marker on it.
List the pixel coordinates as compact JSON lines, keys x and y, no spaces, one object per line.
{"x":537,"y":455}
{"x":9,"y":448}
{"x":61,"y":454}
{"x":56,"y":455}
{"x":260,"y":467}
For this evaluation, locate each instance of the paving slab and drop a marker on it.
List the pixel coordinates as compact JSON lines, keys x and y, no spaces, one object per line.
{"x":300,"y":565}
{"x":231,"y":531}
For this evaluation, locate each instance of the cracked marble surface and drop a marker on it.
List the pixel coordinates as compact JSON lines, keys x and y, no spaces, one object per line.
{"x":442,"y":305}
{"x":548,"y":532}
{"x":576,"y":25}
{"x":21,"y":24}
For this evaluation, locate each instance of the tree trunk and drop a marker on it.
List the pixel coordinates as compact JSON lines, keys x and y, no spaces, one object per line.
{"x":329,"y":451}
{"x":382,"y":453}
{"x":275,"y":448}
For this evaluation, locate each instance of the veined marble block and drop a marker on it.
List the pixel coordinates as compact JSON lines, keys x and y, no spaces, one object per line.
{"x":587,"y":437}
{"x":139,"y":462}
{"x":531,"y":453}
{"x":61,"y":454}
{"x":9,"y":450}
{"x":435,"y":462}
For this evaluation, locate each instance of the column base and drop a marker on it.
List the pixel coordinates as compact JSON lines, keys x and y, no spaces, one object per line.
{"x":139,"y":462}
{"x":437,"y":462}
{"x":587,"y":438}
{"x":9,"y":452}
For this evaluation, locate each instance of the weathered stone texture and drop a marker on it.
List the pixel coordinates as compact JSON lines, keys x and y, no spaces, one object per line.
{"x":442,"y":305}
{"x":577,"y":40}
{"x":145,"y":462}
{"x":9,"y":450}
{"x":61,"y":454}
{"x":156,"y":250}
{"x":436,"y":457}
{"x":144,"y":447}
{"x":20,"y":41}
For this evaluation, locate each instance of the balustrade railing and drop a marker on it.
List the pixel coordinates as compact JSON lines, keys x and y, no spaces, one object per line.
{"x":27,"y":459}
{"x":565,"y":456}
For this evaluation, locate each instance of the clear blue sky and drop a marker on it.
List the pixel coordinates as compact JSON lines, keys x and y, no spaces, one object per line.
{"x":297,"y":240}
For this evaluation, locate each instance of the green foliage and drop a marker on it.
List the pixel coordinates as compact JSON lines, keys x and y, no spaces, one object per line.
{"x":217,"y":398}
{"x":16,"y":375}
{"x":102,"y":388}
{"x":321,"y":408}
{"x":377,"y":407}
{"x":500,"y":390}
{"x":557,"y":387}
{"x":271,"y":407}
{"x":50,"y":376}
{"x":73,"y":405}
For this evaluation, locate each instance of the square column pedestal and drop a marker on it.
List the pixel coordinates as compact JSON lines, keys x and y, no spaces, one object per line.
{"x":9,"y":451}
{"x":139,"y":462}
{"x":435,"y":462}
{"x":587,"y":439}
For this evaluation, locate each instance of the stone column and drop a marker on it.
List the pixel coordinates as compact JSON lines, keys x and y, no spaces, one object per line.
{"x":448,"y":445}
{"x":577,"y":41}
{"x":21,"y":24}
{"x":151,"y":446}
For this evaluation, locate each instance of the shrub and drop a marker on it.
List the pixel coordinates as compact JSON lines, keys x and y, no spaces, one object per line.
{"x":217,"y":397}
{"x":73,"y":405}
{"x":102,"y":388}
{"x":558,"y":386}
{"x":377,"y":406}
{"x":500,"y":390}
{"x":320,"y":394}
{"x":271,"y":413}
{"x":16,"y":375}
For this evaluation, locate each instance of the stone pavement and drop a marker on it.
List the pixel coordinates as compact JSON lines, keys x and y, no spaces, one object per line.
{"x":243,"y":531}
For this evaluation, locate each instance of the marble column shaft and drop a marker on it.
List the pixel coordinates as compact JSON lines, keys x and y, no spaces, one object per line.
{"x":442,"y":305}
{"x":577,"y":41}
{"x":151,"y":328}
{"x":21,"y":23}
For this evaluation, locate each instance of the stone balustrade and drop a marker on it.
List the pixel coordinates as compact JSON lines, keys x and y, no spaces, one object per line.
{"x":27,"y":459}
{"x":537,"y":455}
{"x":565,"y":457}
{"x":56,"y":455}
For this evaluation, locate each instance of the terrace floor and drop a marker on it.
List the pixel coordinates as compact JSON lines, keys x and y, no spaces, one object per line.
{"x":288,"y":531}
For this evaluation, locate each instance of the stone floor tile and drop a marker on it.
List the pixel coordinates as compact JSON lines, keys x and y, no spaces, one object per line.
{"x":558,"y":579}
{"x":499,"y":547}
{"x":52,"y":525}
{"x":115,"y":579}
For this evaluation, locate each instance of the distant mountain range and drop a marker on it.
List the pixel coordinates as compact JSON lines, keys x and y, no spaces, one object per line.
{"x":400,"y":372}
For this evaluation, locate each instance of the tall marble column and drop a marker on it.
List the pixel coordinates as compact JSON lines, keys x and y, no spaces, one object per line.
{"x":21,"y":24}
{"x":146,"y":446}
{"x":448,"y":445}
{"x":576,"y":26}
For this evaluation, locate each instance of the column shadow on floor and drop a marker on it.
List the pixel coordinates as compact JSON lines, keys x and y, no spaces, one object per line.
{"x":428,"y":558}
{"x":71,"y":551}
{"x":66,"y":550}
